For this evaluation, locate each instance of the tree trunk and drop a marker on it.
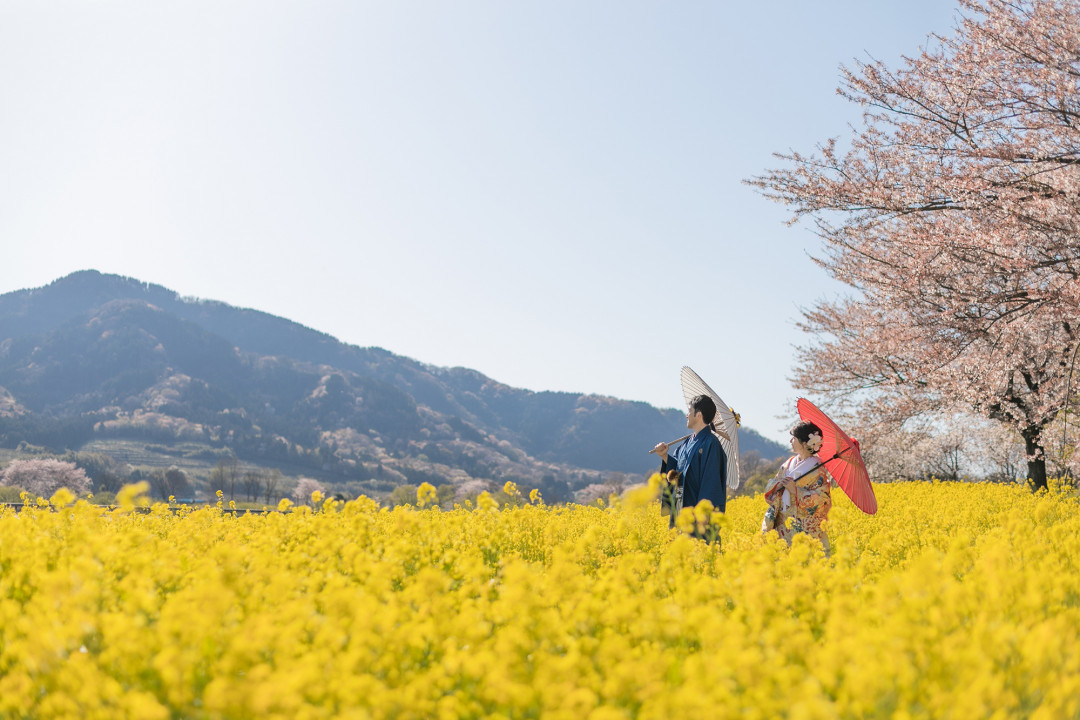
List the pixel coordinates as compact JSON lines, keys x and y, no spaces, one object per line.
{"x":1036,"y":458}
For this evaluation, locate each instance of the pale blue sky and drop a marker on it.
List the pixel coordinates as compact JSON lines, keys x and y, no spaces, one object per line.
{"x":547,"y":192}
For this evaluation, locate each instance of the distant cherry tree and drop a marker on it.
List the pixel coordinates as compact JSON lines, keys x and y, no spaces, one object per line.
{"x":954,"y":214}
{"x":304,"y":488}
{"x":42,"y":477}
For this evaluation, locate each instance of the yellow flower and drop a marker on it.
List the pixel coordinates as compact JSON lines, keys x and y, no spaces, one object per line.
{"x":425,"y":494}
{"x":686,"y":521}
{"x":62,"y":497}
{"x":536,"y":611}
{"x":132,"y":496}
{"x":484,"y":501}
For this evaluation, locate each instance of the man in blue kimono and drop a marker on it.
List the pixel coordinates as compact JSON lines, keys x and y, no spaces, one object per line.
{"x":700,"y":461}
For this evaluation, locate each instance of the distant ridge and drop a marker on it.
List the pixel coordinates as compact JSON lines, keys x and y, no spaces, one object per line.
{"x":93,"y":354}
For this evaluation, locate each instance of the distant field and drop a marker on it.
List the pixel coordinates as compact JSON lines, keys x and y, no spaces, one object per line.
{"x":197,"y":460}
{"x":193,"y":457}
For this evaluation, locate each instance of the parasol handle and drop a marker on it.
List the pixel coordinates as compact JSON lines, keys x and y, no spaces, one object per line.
{"x":820,"y":464}
{"x":674,"y":442}
{"x":721,"y":433}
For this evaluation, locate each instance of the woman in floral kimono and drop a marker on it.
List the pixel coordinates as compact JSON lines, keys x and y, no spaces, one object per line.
{"x":799,"y":490}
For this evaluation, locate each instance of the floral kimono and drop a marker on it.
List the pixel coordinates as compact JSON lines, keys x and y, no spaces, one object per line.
{"x":806,"y":501}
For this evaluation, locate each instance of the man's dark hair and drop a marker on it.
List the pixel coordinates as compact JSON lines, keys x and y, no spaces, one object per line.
{"x":704,"y":405}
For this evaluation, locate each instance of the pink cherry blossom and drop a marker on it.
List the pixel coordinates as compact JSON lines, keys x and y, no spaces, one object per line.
{"x":953,"y":212}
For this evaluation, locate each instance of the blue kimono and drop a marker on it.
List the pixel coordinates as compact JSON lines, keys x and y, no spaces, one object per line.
{"x":702,"y":462}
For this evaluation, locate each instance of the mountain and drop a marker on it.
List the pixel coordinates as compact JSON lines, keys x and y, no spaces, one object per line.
{"x":95,"y":356}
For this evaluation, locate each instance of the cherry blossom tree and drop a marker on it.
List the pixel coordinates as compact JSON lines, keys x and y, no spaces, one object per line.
{"x":1002,"y":451}
{"x":893,"y":368}
{"x":948,"y":447}
{"x":41,"y":477}
{"x":304,"y":489}
{"x":954,"y":214}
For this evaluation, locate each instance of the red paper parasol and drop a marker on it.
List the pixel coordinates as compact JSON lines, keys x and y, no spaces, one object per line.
{"x":841,"y":457}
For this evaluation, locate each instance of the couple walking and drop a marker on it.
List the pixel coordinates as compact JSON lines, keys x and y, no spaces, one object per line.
{"x":798,"y":495}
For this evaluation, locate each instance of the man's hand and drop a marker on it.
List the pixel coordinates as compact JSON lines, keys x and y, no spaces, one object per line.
{"x":661,"y":449}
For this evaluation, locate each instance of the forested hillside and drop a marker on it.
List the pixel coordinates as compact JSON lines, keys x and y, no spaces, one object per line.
{"x":94,"y":356}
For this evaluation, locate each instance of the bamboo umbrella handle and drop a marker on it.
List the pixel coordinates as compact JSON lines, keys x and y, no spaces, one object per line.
{"x":674,"y":442}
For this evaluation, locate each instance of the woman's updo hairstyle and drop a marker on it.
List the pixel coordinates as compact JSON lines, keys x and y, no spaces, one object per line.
{"x":804,"y":431}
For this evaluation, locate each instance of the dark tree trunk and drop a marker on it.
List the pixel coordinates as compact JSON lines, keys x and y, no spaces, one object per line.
{"x":1036,"y":458}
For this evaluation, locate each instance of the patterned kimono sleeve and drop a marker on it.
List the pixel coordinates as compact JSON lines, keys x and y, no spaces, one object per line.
{"x":815,"y":502}
{"x":774,"y":495}
{"x":769,"y":521}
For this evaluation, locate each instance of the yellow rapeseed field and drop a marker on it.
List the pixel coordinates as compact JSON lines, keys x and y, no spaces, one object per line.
{"x":955,"y":601}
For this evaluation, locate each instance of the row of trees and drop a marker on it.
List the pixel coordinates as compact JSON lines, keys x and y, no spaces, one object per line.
{"x":953,"y":213}
{"x":83,"y":473}
{"x":249,"y":483}
{"x":104,"y":476}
